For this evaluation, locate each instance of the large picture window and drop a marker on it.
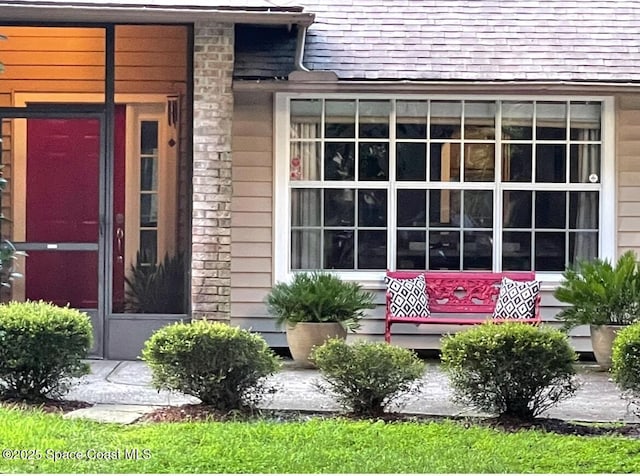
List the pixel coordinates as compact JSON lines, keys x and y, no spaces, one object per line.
{"x":442,"y":184}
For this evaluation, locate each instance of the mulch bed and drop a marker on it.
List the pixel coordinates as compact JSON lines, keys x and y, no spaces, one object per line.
{"x":201,"y":412}
{"x":47,"y":405}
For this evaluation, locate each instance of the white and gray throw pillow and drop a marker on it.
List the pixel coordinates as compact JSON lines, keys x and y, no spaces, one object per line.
{"x":516,"y":299}
{"x":408,"y":296}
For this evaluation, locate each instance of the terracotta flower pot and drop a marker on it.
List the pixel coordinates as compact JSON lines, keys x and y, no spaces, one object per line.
{"x":601,"y":342}
{"x":303,"y":336}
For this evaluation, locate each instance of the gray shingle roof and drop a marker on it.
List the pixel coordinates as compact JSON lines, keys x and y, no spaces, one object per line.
{"x":553,"y":40}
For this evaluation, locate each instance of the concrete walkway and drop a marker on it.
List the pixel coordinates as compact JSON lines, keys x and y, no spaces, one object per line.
{"x":121,"y":392}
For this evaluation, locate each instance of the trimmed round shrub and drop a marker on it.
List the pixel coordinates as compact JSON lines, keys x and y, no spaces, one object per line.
{"x":223,"y":366}
{"x":366,"y":376}
{"x":625,"y":360}
{"x":41,"y":346}
{"x":512,"y":369}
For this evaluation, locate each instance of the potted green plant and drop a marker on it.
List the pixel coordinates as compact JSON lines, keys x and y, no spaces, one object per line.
{"x":603,"y":295}
{"x":316,"y":306}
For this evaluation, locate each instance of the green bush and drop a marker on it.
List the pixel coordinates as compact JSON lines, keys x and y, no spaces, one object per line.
{"x":319,"y":297}
{"x":365,"y":376}
{"x":625,"y":360}
{"x":512,"y":369}
{"x":41,"y":346}
{"x":221,"y":365}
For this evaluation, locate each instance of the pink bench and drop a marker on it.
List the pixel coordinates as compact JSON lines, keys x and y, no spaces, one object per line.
{"x":461,"y":298}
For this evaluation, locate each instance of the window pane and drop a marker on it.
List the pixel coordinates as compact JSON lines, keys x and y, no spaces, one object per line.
{"x":516,"y":251}
{"x":411,"y":159}
{"x":372,"y":208}
{"x":478,"y":250}
{"x":478,"y":209}
{"x":374,"y":161}
{"x":445,"y":162}
{"x":340,"y":120}
{"x":550,"y":251}
{"x":374,"y":118}
{"x":411,"y":119}
{"x":583,"y":246}
{"x":372,"y":249}
{"x":446,"y":118}
{"x":305,"y":249}
{"x":305,"y":207}
{"x":339,"y":161}
{"x":339,"y":207}
{"x":550,"y":210}
{"x":412,"y":206}
{"x":444,"y":250}
{"x":479,"y":120}
{"x":516,"y":162}
{"x":148,"y":174}
{"x":584,"y":208}
{"x":479,"y":162}
{"x":585,"y":121}
{"x":305,"y":118}
{"x":148,"y":247}
{"x":585,"y":163}
{"x":551,"y":121}
{"x":516,"y":209}
{"x":149,"y":210}
{"x":338,"y":249}
{"x":412,"y":250}
{"x":551,"y":163}
{"x":149,"y":137}
{"x":517,"y":120}
{"x":444,"y":208}
{"x":305,"y":161}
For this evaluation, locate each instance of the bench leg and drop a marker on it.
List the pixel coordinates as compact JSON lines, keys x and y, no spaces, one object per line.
{"x":387,"y":332}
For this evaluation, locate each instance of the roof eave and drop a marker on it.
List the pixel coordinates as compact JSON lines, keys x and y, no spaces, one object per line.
{"x":137,"y":14}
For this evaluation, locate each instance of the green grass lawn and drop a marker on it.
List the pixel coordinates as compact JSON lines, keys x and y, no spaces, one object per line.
{"x":316,"y":446}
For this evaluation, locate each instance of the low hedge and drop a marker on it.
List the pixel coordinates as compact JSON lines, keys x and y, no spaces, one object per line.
{"x":512,"y":369}
{"x":41,"y":347}
{"x":367,"y":377}
{"x":221,"y":365}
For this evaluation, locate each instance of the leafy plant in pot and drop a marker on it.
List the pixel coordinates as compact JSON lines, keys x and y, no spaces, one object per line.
{"x":603,"y":295}
{"x":316,"y":306}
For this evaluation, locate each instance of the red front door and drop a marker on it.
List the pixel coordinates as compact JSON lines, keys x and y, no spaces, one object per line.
{"x":62,"y":211}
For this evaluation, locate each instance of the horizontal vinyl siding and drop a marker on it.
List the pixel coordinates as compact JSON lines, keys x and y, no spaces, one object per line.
{"x":149,"y":59}
{"x":628,"y":172}
{"x":252,"y":215}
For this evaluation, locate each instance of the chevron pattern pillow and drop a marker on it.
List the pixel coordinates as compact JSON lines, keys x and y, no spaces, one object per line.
{"x":408,"y":296}
{"x":516,"y":299}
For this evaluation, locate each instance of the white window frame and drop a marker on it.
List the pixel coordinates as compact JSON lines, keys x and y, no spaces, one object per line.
{"x":374,"y":279}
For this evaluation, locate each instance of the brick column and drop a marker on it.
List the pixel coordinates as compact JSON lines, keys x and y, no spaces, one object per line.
{"x":212,"y":118}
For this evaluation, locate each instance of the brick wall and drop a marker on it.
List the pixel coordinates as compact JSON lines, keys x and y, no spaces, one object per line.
{"x":212,"y":117}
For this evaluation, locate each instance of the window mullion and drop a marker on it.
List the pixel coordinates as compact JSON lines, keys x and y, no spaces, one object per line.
{"x":497,"y":191}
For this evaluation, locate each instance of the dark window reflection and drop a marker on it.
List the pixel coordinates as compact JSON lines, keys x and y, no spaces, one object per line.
{"x":374,"y":161}
{"x":372,"y":249}
{"x":339,"y":161}
{"x":550,"y":251}
{"x":444,"y":250}
{"x":411,"y":161}
{"x":338,"y":249}
{"x":550,"y":210}
{"x":516,"y":162}
{"x":516,"y":251}
{"x":372,"y":208}
{"x":412,"y":207}
{"x":411,"y":250}
{"x":478,"y":250}
{"x":339,"y":207}
{"x":551,"y":163}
